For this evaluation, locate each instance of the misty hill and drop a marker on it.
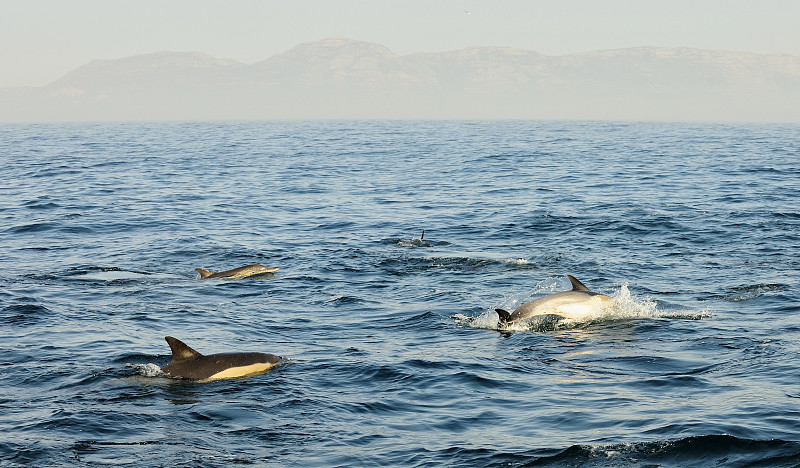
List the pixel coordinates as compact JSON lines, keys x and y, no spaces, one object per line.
{"x":347,"y":79}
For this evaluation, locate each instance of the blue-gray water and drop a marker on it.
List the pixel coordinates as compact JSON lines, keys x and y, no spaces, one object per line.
{"x":393,"y":355}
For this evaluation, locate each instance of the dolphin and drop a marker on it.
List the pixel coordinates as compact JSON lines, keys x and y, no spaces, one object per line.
{"x":574,"y":304}
{"x":237,"y":273}
{"x":414,"y":242}
{"x":189,"y":364}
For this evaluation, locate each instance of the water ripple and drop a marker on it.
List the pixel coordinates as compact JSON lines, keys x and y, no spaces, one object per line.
{"x":394,"y":352}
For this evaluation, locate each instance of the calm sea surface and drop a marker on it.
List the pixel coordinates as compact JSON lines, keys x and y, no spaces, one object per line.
{"x":394,"y":357}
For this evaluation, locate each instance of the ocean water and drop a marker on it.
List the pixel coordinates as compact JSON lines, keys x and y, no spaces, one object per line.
{"x":393,"y":355}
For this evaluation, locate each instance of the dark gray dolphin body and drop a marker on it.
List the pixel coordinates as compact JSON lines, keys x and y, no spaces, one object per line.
{"x":189,"y":364}
{"x":574,"y":304}
{"x":237,"y":273}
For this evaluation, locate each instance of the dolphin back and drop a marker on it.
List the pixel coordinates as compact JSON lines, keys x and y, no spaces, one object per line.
{"x":241,"y":272}
{"x":558,"y":304}
{"x":189,"y":364}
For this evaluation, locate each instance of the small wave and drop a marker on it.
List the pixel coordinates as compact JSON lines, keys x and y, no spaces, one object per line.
{"x":23,"y":314}
{"x":455,"y":262}
{"x":341,"y":300}
{"x":32,"y":227}
{"x":706,"y":450}
{"x":85,"y":444}
{"x":105,"y":275}
{"x":110,"y":274}
{"x":26,"y":309}
{"x":749,"y":292}
{"x":41,"y":205}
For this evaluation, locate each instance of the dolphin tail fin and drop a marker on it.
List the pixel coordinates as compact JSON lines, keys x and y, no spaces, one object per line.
{"x":180,"y":350}
{"x":203,"y":273}
{"x":503,"y":316}
{"x":576,"y":285}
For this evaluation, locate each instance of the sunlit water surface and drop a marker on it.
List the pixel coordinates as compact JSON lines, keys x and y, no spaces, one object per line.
{"x":394,"y":356}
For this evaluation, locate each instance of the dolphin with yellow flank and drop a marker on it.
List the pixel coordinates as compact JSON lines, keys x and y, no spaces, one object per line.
{"x":574,"y":304}
{"x":237,"y":273}
{"x":189,"y":364}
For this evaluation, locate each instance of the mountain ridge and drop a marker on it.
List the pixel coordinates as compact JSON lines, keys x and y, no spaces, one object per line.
{"x":343,"y":78}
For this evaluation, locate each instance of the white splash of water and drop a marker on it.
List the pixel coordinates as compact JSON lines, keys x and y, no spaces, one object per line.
{"x":147,"y":370}
{"x":624,"y":306}
{"x":517,"y":261}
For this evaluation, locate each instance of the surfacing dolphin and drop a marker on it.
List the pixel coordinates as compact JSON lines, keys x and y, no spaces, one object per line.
{"x":237,"y":273}
{"x":574,"y":304}
{"x":189,"y":364}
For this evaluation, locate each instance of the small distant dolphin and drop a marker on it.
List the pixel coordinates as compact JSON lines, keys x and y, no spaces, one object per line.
{"x":241,"y":272}
{"x":574,"y":304}
{"x":189,"y":364}
{"x":416,"y":242}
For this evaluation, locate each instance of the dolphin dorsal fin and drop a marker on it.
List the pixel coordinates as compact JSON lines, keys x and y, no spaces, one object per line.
{"x":576,"y":285}
{"x":203,"y":273}
{"x":423,"y":235}
{"x":180,"y":350}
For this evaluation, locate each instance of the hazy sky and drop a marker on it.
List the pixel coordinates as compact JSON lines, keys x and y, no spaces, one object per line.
{"x":42,"y":40}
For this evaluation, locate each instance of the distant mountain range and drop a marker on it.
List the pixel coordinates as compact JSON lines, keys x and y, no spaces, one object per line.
{"x":339,"y":78}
